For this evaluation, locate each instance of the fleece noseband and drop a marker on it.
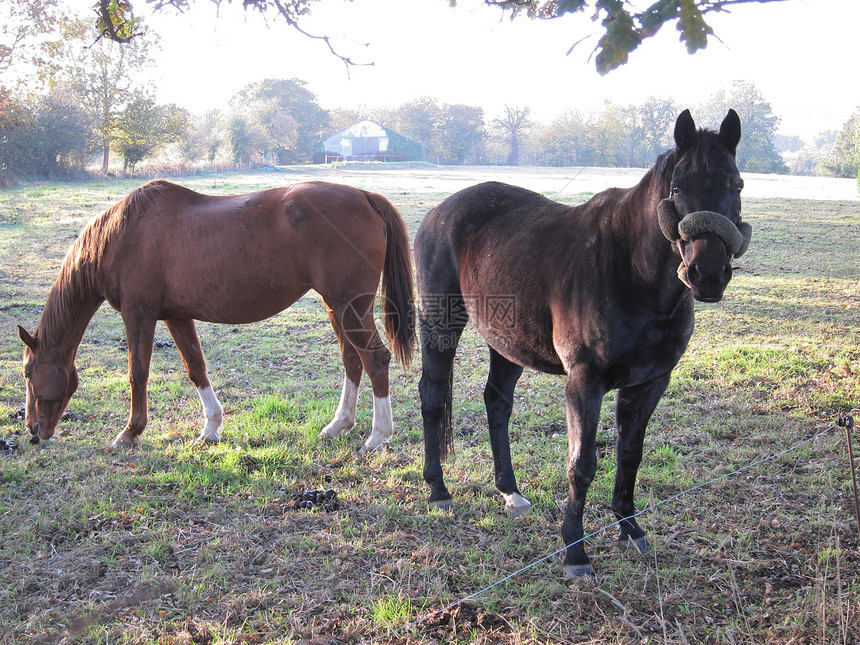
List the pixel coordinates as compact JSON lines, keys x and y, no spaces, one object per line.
{"x":736,"y":238}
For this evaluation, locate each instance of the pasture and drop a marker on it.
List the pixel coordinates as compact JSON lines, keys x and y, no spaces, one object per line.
{"x":175,"y":543}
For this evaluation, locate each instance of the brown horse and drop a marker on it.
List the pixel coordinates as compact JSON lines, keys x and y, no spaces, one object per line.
{"x":167,"y":253}
{"x":594,"y":292}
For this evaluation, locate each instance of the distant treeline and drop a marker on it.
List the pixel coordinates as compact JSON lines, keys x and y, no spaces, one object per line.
{"x":67,"y":132}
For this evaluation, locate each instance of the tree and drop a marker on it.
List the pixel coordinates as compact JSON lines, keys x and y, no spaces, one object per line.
{"x":143,"y":128}
{"x":27,"y":33}
{"x":419,"y":120}
{"x":460,"y":133}
{"x":651,"y":128}
{"x":101,"y":73}
{"x":514,"y":123}
{"x":261,"y":128}
{"x":247,"y":139}
{"x":16,"y":121}
{"x":624,"y":29}
{"x":607,"y":138}
{"x":844,"y":158}
{"x":450,"y":134}
{"x":757,"y":151}
{"x":204,"y":138}
{"x":46,"y":136}
{"x":288,"y":114}
{"x":564,"y":141}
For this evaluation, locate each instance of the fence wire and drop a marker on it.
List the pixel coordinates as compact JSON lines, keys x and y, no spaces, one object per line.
{"x":651,"y":507}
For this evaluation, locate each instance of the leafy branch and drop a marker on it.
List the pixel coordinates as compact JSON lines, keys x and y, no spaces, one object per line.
{"x":625,"y":27}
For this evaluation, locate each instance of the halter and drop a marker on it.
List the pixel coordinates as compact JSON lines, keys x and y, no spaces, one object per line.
{"x":674,"y":228}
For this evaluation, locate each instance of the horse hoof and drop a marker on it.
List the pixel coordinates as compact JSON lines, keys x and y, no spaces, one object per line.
{"x":207,"y":439}
{"x":374,"y":442}
{"x":639,"y":545}
{"x":573,"y":571}
{"x":442,"y":505}
{"x":516,"y":505}
{"x":334,"y":429}
{"x":326,"y":434}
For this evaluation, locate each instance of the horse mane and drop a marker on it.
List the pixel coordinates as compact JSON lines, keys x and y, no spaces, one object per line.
{"x":697,"y":156}
{"x":78,"y":279}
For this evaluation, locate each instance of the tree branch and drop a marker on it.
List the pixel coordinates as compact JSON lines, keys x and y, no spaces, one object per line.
{"x":116,"y":20}
{"x":299,"y":7}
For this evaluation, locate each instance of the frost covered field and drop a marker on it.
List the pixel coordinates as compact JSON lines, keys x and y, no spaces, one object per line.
{"x":177,"y":544}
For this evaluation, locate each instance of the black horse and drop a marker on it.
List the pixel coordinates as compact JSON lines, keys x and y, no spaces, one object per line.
{"x":593,"y":291}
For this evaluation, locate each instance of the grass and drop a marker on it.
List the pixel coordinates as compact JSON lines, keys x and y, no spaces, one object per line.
{"x":172,"y":543}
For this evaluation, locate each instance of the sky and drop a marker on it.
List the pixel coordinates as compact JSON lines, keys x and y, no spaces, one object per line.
{"x":802,"y":55}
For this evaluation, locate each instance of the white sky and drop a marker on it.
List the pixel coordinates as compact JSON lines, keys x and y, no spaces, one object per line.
{"x":799,"y":53}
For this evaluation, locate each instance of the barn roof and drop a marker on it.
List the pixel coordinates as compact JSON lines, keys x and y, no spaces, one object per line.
{"x":369,"y":138}
{"x":365,"y":128}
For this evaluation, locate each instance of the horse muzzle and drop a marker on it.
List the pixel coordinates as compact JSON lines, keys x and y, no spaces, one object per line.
{"x":40,"y":432}
{"x":35,"y":433}
{"x":708,"y":241}
{"x":705,"y":267}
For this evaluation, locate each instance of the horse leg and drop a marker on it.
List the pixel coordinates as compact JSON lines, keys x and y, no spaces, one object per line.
{"x":499,"y":400}
{"x":633,"y":409}
{"x":184,"y":333}
{"x":344,"y":416}
{"x":583,"y":394}
{"x":440,"y":335}
{"x":139,"y":335}
{"x":355,"y":319}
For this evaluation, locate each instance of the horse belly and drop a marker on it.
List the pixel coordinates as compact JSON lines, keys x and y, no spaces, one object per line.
{"x":513,"y":325}
{"x":236,"y":301}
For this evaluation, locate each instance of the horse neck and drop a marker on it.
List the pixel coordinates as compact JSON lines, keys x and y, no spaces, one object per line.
{"x":654,"y":259}
{"x":70,"y":306}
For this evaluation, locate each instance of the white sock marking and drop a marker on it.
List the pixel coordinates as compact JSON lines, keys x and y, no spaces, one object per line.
{"x":344,"y":416}
{"x":383,"y":423}
{"x":214,"y":414}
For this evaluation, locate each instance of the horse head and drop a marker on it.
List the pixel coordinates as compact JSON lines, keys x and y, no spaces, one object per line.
{"x":702,"y":215}
{"x":51,"y":381}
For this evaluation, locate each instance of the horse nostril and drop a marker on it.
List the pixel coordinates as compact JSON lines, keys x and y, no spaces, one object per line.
{"x":693,"y":273}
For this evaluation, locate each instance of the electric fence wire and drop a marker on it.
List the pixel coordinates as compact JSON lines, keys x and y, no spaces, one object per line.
{"x":603,"y":529}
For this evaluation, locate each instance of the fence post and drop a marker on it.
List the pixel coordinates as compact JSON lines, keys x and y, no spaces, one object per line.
{"x":847,"y":422}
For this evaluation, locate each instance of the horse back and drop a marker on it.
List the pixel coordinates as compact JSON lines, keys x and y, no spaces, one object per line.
{"x":241,"y":258}
{"x":550,"y":286}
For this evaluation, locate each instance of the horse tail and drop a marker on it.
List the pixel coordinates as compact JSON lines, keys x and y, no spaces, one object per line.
{"x":398,"y":291}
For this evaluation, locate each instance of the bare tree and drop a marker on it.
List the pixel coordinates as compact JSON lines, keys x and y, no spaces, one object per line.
{"x":514,"y":123}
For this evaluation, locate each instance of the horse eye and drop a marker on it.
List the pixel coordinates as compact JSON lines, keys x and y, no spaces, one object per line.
{"x":676,"y":190}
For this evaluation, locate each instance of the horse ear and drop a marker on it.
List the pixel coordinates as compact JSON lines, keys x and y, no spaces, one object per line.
{"x":685,"y":131}
{"x":730,"y":131}
{"x":26,"y":338}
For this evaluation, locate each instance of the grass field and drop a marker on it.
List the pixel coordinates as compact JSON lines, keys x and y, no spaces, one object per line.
{"x":175,"y":544}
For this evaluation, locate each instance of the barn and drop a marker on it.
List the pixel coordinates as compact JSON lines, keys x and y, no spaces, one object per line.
{"x":369,"y":141}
